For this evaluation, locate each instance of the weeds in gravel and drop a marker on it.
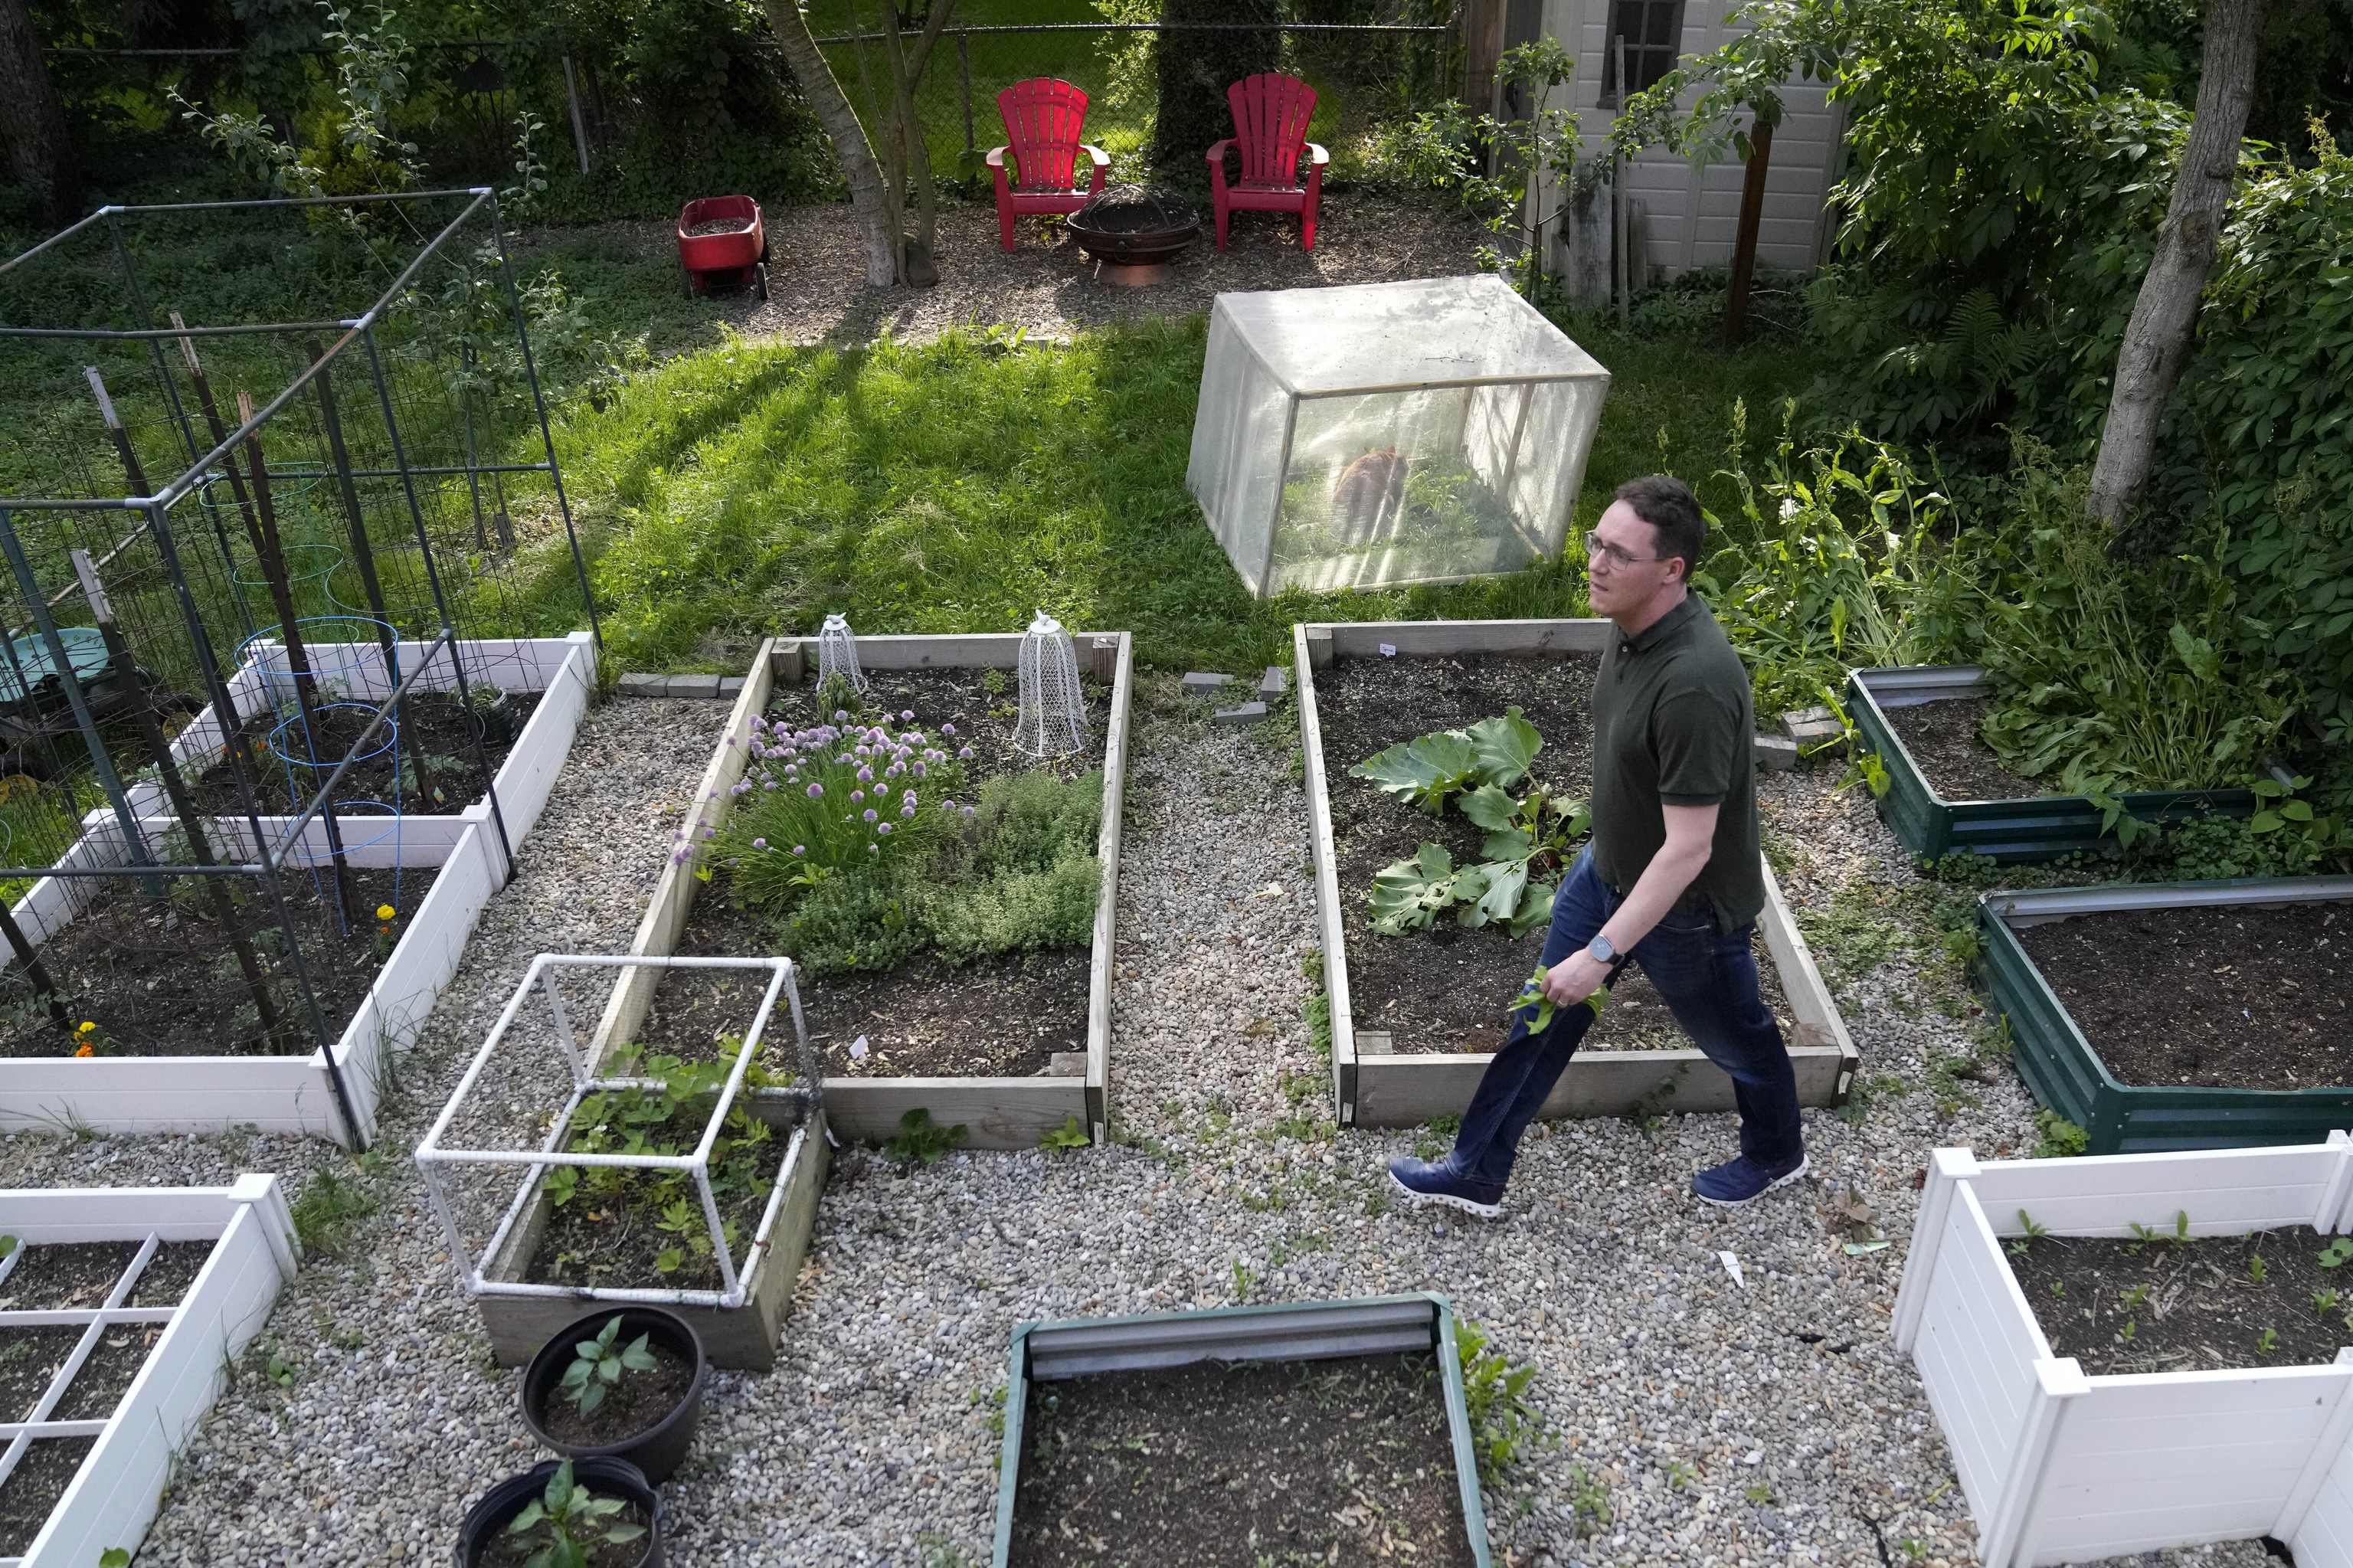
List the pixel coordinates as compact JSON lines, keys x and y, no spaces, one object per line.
{"x":330,"y":1203}
{"x":1066,"y":1138}
{"x":1436,"y":1136}
{"x":921,"y":1141}
{"x":2060,"y":1139}
{"x":1244,"y":1281}
{"x":1589,"y":1503}
{"x":1494,"y":1392}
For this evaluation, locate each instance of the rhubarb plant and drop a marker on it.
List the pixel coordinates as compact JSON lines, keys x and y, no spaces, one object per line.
{"x":1528,"y":841}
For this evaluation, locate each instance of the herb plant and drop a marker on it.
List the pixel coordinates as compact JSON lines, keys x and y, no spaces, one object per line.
{"x":566,"y":1520}
{"x":596,"y":1366}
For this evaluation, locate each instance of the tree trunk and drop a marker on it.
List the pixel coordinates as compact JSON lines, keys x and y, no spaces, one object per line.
{"x":876,"y":222}
{"x":33,"y":120}
{"x":1196,"y":69}
{"x":2157,"y":343}
{"x":1743,"y":238}
{"x":910,"y":155}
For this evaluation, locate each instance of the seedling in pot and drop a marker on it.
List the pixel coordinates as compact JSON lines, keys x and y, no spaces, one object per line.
{"x":565,"y":1520}
{"x":597,"y":1367}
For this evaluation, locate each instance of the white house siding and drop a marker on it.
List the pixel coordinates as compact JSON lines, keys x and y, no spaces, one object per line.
{"x":1685,"y":216}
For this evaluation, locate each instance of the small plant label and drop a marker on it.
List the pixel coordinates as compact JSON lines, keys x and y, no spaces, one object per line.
{"x":1732,"y":1267}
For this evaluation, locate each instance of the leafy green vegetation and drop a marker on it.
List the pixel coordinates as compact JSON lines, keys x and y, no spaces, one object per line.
{"x":599,"y":1363}
{"x":1494,"y":1392}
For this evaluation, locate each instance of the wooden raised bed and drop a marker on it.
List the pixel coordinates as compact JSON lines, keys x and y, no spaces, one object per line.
{"x":1402,"y":1090}
{"x":113,"y":1495}
{"x":2063,"y":1467}
{"x":1367,"y":1325}
{"x":2065,"y":1071}
{"x":294,"y":1094}
{"x":997,"y":1112}
{"x":2040,"y":827}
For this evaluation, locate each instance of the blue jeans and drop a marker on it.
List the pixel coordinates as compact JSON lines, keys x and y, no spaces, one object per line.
{"x":1708,"y":978}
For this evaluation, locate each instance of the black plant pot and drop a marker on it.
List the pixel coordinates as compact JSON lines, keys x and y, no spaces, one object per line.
{"x":658,"y":1450}
{"x":489,"y":1519}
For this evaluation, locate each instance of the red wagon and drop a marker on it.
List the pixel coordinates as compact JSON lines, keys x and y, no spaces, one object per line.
{"x":732,"y":257}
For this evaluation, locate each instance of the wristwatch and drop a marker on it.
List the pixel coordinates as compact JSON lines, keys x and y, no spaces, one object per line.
{"x":1600,"y":952}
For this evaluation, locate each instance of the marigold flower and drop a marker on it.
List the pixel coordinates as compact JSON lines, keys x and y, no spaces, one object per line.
{"x":86,"y":1028}
{"x":87,"y":1051}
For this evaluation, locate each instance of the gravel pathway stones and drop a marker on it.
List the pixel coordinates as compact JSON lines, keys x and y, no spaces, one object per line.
{"x":1715,"y":1423}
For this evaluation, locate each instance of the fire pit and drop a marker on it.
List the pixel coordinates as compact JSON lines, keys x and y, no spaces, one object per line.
{"x":1135,"y":232}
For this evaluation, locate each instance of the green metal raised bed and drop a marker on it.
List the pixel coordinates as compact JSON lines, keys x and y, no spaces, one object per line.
{"x":1314,"y":1331}
{"x":2042,"y":827}
{"x":2065,"y":1072}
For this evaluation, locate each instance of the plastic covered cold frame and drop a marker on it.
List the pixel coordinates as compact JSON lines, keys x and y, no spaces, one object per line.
{"x":1393,"y":433}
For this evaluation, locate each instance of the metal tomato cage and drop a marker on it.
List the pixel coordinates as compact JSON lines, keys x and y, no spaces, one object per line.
{"x":334,"y":515}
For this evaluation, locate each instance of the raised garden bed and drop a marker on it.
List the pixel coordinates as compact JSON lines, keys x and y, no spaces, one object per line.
{"x":1382,"y":1079}
{"x":1326,"y":1431}
{"x":2179,"y":1015}
{"x":2058,"y":1467}
{"x":133,"y":1303}
{"x":448,"y":864}
{"x":574,"y":1220}
{"x":1941,"y":811}
{"x":972,"y":1045}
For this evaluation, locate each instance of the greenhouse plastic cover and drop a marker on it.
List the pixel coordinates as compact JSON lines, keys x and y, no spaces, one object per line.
{"x":1473,"y":412}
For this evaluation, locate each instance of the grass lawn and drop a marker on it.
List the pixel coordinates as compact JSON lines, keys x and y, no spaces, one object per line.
{"x":960,"y":486}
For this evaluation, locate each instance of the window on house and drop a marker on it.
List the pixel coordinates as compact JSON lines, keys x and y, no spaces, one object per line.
{"x":1654,"y":31}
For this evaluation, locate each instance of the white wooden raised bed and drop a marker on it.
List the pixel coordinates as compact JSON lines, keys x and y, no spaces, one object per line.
{"x":997,"y":1112}
{"x":2063,"y":1467}
{"x":114,"y":1496}
{"x":1389,"y":1089}
{"x":295,"y":1094}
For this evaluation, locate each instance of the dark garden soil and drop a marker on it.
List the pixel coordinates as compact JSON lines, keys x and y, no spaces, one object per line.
{"x":51,"y":1278}
{"x":640,"y":1400}
{"x":1002,"y":1017}
{"x":506,"y":1550}
{"x":160,"y":980}
{"x":1449,"y":987}
{"x":2194,"y":1305}
{"x":33,"y":1489}
{"x":1944,"y":738}
{"x":2224,"y":999}
{"x":436,"y":725}
{"x":1223,"y":1465}
{"x":999,"y":1017}
{"x":30,"y":1358}
{"x":107,"y":1375}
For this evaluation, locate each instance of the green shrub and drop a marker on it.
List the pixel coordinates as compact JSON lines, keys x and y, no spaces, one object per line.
{"x":1020,"y":911}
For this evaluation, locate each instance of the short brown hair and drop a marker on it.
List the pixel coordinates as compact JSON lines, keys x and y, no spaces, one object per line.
{"x":1667,"y":504}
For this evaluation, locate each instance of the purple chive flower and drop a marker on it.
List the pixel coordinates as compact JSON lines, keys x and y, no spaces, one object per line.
{"x":881,"y":790}
{"x":866,"y":776}
{"x":709,"y":833}
{"x":908,"y":715}
{"x":858,"y":794}
{"x":919,"y":770}
{"x":884,"y":829}
{"x":873,"y":849}
{"x":759,"y":843}
{"x":947,"y":729}
{"x":907,"y":799}
{"x":768,"y":784}
{"x":965,"y":753}
{"x":841,"y":716}
{"x":815,"y":791}
{"x":908,"y":810}
{"x":800,"y":849}
{"x":870,"y":813}
{"x":967,"y":810}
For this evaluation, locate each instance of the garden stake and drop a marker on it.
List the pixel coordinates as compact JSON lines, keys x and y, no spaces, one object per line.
{"x":298,"y":657}
{"x":272,"y":877}
{"x":364,"y":557}
{"x":229,"y":463}
{"x":102,"y":764}
{"x":159,"y":751}
{"x":29,"y":958}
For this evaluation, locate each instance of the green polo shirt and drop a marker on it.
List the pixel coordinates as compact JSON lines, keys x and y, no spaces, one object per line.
{"x":1672,"y":726}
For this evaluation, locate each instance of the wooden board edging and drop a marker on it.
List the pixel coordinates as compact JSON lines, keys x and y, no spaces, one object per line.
{"x":1407,"y":1089}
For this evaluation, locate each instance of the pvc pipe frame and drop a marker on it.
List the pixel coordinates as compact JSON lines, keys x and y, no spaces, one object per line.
{"x":430,"y":1155}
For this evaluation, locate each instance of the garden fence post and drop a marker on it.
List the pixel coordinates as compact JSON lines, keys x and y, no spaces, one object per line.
{"x":1947,"y":1169}
{"x":2006,"y":1538}
{"x":2325,"y":1452}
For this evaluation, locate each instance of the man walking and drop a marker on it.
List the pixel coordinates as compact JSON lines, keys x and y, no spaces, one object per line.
{"x":1671,"y":880}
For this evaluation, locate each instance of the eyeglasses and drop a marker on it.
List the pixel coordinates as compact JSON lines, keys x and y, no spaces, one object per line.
{"x":1616,"y":556}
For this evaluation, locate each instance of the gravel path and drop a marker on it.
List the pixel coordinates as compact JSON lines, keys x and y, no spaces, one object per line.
{"x":1687,"y":1421}
{"x":818,"y":292}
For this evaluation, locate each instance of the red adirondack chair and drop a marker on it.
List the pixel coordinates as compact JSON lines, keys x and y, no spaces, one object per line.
{"x":1043,"y":118}
{"x":1270,"y":115}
